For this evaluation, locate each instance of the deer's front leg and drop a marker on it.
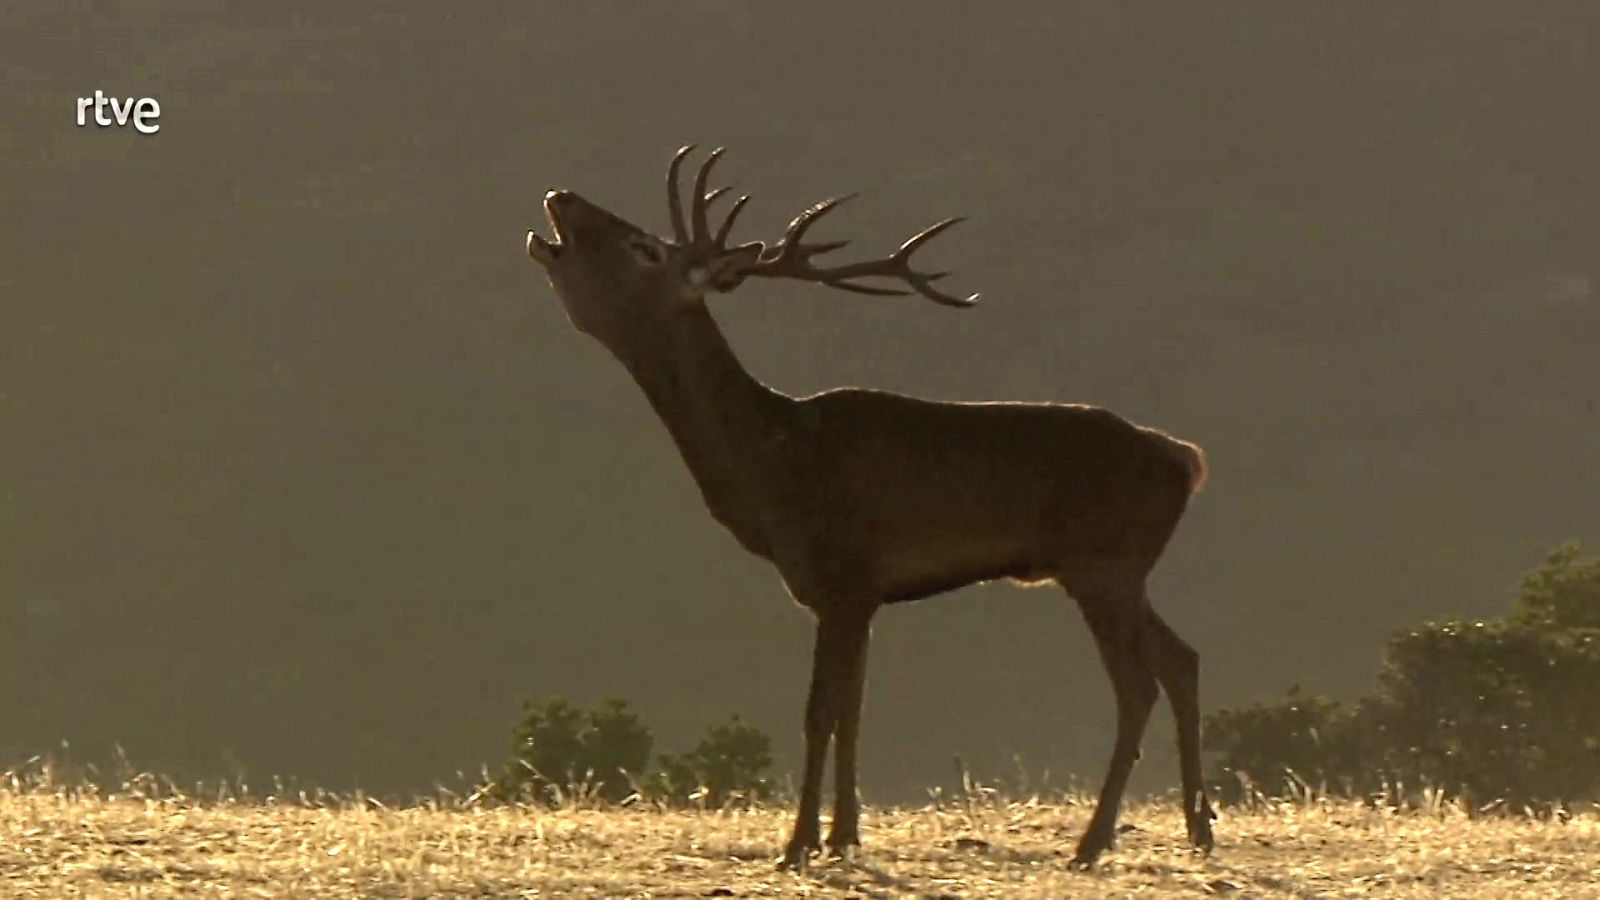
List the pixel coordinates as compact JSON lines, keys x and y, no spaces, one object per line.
{"x":835,"y":635}
{"x":845,"y":830}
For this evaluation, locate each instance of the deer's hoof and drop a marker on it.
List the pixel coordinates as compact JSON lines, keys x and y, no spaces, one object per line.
{"x":1200,"y":829}
{"x":1089,"y":849}
{"x":843,"y":842}
{"x":796,"y":857}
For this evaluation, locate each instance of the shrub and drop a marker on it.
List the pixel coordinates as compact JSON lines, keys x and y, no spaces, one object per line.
{"x":561,"y":752}
{"x":729,"y":763}
{"x":1288,"y":744}
{"x":1495,"y":710}
{"x":557,"y":748}
{"x":1506,"y":709}
{"x":1562,"y":593}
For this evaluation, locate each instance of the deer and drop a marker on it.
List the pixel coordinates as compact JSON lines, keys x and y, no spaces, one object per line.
{"x":862,"y":498}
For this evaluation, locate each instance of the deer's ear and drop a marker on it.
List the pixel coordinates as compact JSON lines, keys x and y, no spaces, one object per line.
{"x":727,"y":271}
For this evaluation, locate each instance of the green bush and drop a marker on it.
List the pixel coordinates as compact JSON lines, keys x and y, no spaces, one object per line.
{"x":559,"y":749}
{"x":1286,"y":745}
{"x":1562,"y":593}
{"x":1507,"y":709}
{"x":562,"y":753}
{"x":1495,"y":710}
{"x":729,"y":763}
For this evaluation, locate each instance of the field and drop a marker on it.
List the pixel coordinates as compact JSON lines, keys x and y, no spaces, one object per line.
{"x":77,"y":843}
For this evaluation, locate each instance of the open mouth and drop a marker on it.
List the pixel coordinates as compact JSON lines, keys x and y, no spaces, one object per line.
{"x":545,"y":252}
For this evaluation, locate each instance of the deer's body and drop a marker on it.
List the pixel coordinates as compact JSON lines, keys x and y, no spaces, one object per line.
{"x":861,"y":498}
{"x":928,"y":496}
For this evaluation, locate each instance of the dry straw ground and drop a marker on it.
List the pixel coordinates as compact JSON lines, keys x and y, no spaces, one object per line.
{"x":75,"y":843}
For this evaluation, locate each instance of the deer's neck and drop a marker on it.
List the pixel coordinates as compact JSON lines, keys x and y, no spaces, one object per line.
{"x":722,"y":419}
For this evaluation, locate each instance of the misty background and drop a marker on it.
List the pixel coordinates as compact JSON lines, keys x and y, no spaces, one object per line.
{"x":303,"y":471}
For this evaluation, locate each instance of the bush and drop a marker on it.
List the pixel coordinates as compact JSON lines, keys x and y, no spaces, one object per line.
{"x":1289,"y":744}
{"x":561,"y":753}
{"x":729,"y":763}
{"x":1507,"y":709}
{"x":1562,"y":593}
{"x":1495,"y":710}
{"x":558,"y":748}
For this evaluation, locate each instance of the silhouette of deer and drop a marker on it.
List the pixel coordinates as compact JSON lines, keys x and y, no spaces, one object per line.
{"x":862,"y":498}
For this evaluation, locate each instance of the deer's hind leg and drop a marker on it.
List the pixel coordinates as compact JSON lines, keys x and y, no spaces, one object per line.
{"x":1116,"y":614}
{"x":1177,"y":666}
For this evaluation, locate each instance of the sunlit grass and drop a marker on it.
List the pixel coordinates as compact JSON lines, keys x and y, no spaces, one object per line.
{"x":148,"y":840}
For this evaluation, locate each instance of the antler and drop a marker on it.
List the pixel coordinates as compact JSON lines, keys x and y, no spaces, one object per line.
{"x":696,"y":233}
{"x":791,"y":256}
{"x":792,"y":259}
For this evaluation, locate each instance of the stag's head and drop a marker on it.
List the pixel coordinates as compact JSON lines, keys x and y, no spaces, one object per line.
{"x":611,"y":274}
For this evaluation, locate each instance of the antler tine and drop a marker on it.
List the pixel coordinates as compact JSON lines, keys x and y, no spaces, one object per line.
{"x":680,"y":231}
{"x":921,"y":281}
{"x":727,"y":222}
{"x":807,"y":251}
{"x":921,"y":286}
{"x":700,"y":233}
{"x":924,"y":236}
{"x":711,"y":196}
{"x":790,"y":246}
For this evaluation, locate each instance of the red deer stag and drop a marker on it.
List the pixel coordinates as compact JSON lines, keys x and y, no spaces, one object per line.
{"x":862,"y":498}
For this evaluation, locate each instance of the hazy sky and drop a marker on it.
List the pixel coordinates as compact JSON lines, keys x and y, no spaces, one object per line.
{"x":304,"y":468}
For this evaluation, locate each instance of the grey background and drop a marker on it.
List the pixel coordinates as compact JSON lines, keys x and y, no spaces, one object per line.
{"x":302,"y":471}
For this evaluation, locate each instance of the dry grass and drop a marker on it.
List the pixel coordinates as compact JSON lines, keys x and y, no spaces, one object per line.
{"x":75,"y":843}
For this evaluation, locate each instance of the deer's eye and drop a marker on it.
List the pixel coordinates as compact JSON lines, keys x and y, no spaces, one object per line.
{"x":649,"y":253}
